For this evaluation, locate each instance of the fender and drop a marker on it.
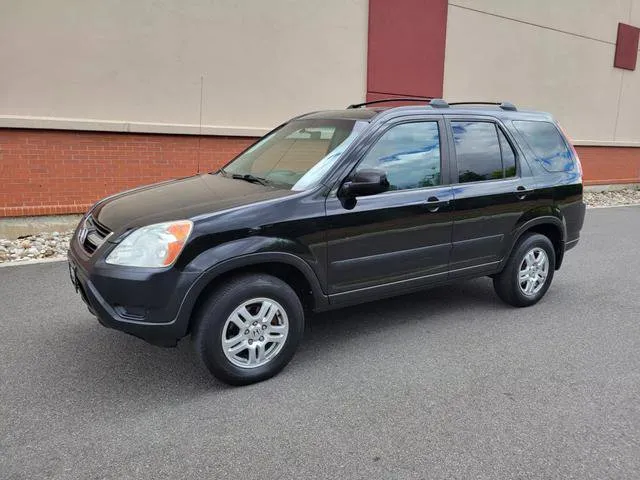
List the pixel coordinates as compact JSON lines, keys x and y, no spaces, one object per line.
{"x":217,"y":269}
{"x":524,"y":225}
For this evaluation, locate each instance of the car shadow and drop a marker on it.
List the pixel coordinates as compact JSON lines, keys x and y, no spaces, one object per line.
{"x":120,"y":369}
{"x":434,"y":306}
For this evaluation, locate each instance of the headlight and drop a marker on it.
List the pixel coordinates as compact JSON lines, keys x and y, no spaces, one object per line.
{"x":156,"y":245}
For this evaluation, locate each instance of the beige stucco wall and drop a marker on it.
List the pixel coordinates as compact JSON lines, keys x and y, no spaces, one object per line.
{"x":547,"y":55}
{"x":137,"y":65}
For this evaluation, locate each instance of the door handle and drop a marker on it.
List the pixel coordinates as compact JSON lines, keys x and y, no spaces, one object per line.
{"x":522,"y":192}
{"x":433,"y":204}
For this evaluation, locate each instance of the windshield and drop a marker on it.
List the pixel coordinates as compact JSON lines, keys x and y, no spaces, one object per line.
{"x":296,"y":155}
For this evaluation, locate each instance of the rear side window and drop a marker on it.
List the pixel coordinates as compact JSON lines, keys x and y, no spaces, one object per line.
{"x":546,"y":143}
{"x":482,"y":152}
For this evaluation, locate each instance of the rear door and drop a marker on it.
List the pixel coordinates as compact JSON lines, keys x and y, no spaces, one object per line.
{"x":492,"y":188}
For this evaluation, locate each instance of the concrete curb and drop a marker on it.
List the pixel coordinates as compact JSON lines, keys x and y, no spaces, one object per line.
{"x":35,"y":261}
{"x":616,"y":206}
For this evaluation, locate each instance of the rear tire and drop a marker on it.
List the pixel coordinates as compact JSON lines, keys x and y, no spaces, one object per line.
{"x":528,"y":273}
{"x":249,"y":329}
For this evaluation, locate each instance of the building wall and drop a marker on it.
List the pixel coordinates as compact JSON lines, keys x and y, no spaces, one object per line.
{"x":189,"y":84}
{"x":547,"y":55}
{"x":48,"y":172}
{"x":137,"y":65}
{"x":610,"y":165}
{"x":222,"y":68}
{"x":555,"y":56}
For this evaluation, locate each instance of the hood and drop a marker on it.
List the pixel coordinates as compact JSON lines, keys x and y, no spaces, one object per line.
{"x":180,"y":199}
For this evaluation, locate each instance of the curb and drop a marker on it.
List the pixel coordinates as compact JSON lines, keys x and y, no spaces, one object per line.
{"x":616,"y":206}
{"x":35,"y":261}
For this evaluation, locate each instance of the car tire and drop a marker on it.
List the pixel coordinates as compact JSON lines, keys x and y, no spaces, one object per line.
{"x":249,"y":329}
{"x":528,"y":273}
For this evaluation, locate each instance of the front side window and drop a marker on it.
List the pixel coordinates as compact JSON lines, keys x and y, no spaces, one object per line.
{"x":547,"y":145}
{"x":482,"y":152}
{"x":298,"y":154}
{"x":409,"y":154}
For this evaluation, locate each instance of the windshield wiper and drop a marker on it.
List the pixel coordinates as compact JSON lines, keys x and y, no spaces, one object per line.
{"x":247,"y":177}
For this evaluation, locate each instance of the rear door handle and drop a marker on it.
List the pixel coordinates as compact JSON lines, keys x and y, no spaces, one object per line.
{"x":433,"y":204}
{"x":522,"y":192}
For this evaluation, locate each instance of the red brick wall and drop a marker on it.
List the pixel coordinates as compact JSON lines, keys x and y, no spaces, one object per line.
{"x":607,"y":165}
{"x":46,"y":172}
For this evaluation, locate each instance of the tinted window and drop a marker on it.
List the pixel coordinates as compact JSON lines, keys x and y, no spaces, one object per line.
{"x":477,"y":151}
{"x":547,"y":144}
{"x":409,"y":154}
{"x":508,"y":157}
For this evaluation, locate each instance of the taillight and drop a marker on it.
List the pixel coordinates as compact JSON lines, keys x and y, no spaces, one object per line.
{"x":573,"y":149}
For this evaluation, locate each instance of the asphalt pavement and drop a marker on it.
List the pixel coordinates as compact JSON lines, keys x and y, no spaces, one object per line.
{"x":447,"y":383}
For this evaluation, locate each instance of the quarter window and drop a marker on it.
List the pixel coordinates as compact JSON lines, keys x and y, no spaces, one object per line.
{"x":547,"y":145}
{"x":482,"y":152}
{"x":409,"y":153}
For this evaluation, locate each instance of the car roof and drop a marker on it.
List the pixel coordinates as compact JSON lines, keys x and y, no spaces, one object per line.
{"x":384,"y":113}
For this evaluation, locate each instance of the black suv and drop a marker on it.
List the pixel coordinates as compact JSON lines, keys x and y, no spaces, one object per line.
{"x":330,"y":209}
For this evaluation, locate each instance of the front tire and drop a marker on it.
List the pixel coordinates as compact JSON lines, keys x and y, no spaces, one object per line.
{"x":528,"y":273}
{"x":249,"y":329}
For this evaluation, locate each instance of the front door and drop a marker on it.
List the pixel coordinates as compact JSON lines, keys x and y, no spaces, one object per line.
{"x":399,"y":239}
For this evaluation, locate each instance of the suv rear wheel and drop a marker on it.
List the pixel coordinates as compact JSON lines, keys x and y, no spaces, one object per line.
{"x":528,"y":273}
{"x":249,"y":329}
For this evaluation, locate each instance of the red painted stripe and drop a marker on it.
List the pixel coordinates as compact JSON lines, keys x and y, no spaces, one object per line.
{"x":406,"y":48}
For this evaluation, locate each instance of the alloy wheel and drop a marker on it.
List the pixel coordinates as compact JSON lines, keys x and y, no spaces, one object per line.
{"x":533,"y":272}
{"x":255,"y":332}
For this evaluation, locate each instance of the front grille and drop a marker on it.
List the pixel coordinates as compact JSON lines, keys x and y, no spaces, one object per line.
{"x":92,"y":234}
{"x":104,"y":231}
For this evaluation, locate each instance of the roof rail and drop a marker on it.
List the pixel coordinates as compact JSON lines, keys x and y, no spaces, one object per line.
{"x":435,"y":103}
{"x":503,"y":105}
{"x":386,"y":100}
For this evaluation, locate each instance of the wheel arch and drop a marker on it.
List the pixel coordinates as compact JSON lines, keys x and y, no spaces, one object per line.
{"x":288,"y":267}
{"x":552,"y":227}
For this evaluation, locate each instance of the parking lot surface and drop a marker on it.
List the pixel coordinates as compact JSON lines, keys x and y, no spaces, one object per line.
{"x":446,"y":383}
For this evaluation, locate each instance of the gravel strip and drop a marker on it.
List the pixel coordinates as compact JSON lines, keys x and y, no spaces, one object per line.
{"x":612,"y":198}
{"x":54,"y":245}
{"x":33,"y":247}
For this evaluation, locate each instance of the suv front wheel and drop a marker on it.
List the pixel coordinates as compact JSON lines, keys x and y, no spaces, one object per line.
{"x":528,"y":273}
{"x":249,"y":329}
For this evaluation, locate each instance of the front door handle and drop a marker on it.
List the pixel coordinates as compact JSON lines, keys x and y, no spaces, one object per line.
{"x":433,"y":204}
{"x":522,"y":192}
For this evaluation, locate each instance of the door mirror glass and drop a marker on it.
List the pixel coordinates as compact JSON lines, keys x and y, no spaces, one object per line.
{"x":369,"y":181}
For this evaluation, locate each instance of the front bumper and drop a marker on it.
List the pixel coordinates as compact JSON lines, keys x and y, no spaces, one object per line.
{"x":145,"y":303}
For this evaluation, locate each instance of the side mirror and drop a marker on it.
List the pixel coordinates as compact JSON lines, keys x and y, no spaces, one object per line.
{"x":365,"y":182}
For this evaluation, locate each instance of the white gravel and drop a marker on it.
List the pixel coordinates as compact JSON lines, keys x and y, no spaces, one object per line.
{"x":612,"y":198}
{"x":54,"y":245}
{"x":33,"y":247}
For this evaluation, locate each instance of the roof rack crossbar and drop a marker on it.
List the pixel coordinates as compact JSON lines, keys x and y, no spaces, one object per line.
{"x":386,"y":100}
{"x":503,"y":105}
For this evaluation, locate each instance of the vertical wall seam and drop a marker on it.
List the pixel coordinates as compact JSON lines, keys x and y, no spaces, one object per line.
{"x":615,"y":125}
